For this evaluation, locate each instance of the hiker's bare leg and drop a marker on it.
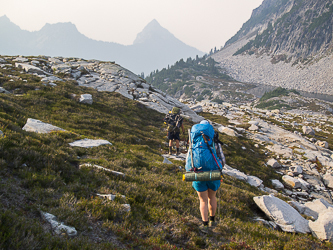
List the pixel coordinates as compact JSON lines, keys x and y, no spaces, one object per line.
{"x":212,"y":202}
{"x":170,"y":143}
{"x":203,"y":198}
{"x":177,"y":143}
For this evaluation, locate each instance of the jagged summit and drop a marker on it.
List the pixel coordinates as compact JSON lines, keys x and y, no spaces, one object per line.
{"x":152,"y":32}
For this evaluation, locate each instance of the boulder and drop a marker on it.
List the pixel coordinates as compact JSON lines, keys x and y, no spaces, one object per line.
{"x":254,"y":181}
{"x":277,"y":184}
{"x":328,"y":180}
{"x":166,"y":160}
{"x":296,"y":170}
{"x":89,"y":143}
{"x":317,"y":207}
{"x":86,"y":98}
{"x":254,"y":122}
{"x":273,"y":163}
{"x":291,"y":182}
{"x":31,"y":69}
{"x":234,"y":173}
{"x":2,"y":90}
{"x":253,"y":128}
{"x":322,"y":228}
{"x":228,"y":131}
{"x":40,"y":127}
{"x":58,"y":228}
{"x":322,"y":144}
{"x":308,"y":130}
{"x":284,"y":215}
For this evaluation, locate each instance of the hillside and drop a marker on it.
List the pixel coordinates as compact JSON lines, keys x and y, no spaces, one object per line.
{"x":200,"y":79}
{"x":149,"y":206}
{"x":149,"y":51}
{"x":285,"y":43}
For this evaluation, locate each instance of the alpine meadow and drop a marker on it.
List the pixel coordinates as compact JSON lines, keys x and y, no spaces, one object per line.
{"x":85,"y":159}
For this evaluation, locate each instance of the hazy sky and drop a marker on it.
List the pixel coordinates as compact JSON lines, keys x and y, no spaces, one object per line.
{"x":202,"y":24}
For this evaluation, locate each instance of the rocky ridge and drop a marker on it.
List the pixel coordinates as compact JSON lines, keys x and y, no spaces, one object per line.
{"x":284,"y":43}
{"x":103,"y":76}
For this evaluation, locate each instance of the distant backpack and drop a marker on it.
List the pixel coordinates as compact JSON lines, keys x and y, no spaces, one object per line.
{"x":203,"y":157}
{"x":173,"y":120}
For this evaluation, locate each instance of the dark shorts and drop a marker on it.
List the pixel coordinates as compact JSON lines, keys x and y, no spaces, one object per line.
{"x":202,"y":186}
{"x":173,"y":136}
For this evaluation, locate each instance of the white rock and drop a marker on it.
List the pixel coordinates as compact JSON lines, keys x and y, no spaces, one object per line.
{"x":102,"y":168}
{"x":277,"y":184}
{"x":40,"y":127}
{"x":254,"y":181}
{"x":308,"y":130}
{"x":304,"y":184}
{"x":254,"y":122}
{"x":21,"y":59}
{"x":323,"y":227}
{"x":89,"y":143}
{"x":234,"y":173}
{"x":296,"y":169}
{"x":2,"y":90}
{"x":282,"y":214}
{"x":253,"y":128}
{"x":317,"y":207}
{"x":31,"y":69}
{"x":86,"y":98}
{"x":167,"y":161}
{"x":228,"y":131}
{"x":322,"y":144}
{"x":328,"y":180}
{"x":291,"y":182}
{"x":110,"y":197}
{"x":273,"y":163}
{"x":58,"y":227}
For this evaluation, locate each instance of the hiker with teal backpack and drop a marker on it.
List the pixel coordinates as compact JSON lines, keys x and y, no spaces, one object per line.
{"x":174,"y":121}
{"x":204,"y":168}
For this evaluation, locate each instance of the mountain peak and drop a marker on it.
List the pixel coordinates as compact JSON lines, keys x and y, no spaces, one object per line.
{"x":153,"y":31}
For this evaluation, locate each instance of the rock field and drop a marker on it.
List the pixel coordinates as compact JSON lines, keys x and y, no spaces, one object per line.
{"x":316,"y":77}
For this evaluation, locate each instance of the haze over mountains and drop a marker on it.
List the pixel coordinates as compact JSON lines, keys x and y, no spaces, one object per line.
{"x":285,"y":43}
{"x":154,"y":48}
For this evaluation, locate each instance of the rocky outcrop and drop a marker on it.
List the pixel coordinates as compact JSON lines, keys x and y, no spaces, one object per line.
{"x":287,"y":45}
{"x":37,"y":126}
{"x":285,"y":216}
{"x":58,"y":227}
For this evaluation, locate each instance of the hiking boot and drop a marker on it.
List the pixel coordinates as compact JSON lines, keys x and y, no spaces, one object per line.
{"x":203,"y":229}
{"x":212,"y":223}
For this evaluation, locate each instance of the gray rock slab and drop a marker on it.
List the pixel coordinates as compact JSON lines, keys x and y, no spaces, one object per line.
{"x":254,"y":181}
{"x":273,"y":163}
{"x":234,"y":173}
{"x":308,"y":130}
{"x":31,"y":69}
{"x":328,"y":180}
{"x":86,"y":98}
{"x":322,"y":228}
{"x":2,"y":90}
{"x":284,"y":215}
{"x":166,"y":160}
{"x":123,"y":90}
{"x":228,"y":131}
{"x":102,"y":168}
{"x":277,"y":184}
{"x":57,"y":227}
{"x":89,"y":143}
{"x":40,"y":127}
{"x":51,"y":79}
{"x":317,"y":207}
{"x":291,"y":182}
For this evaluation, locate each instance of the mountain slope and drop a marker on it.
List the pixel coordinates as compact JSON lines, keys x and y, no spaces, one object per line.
{"x":285,"y":43}
{"x":43,"y":173}
{"x":151,"y":51}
